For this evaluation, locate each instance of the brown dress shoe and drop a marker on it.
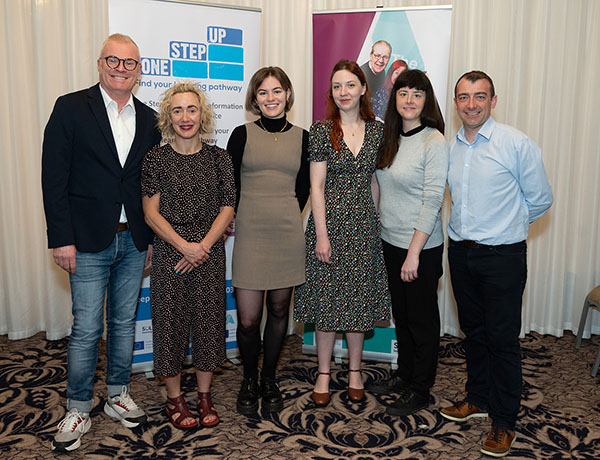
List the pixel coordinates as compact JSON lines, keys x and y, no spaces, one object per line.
{"x":462,"y":411}
{"x":355,"y":394}
{"x":498,"y":442}
{"x":321,"y":399}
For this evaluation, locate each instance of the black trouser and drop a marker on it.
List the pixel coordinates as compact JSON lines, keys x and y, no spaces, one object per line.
{"x":488,"y":284}
{"x":416,"y":315}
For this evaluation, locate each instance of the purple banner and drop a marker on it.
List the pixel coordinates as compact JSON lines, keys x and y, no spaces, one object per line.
{"x":329,"y":46}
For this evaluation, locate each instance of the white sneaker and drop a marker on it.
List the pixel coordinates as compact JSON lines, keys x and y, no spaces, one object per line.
{"x":70,"y":430}
{"x":125,"y":409}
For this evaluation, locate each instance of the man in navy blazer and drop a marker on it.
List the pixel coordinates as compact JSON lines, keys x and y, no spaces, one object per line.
{"x":93,"y":147}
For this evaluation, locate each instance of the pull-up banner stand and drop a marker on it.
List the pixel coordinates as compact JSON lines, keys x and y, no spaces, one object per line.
{"x":218,"y":49}
{"x":419,"y":36}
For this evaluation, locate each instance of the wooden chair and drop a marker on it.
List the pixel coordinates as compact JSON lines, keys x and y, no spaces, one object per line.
{"x":591,"y":301}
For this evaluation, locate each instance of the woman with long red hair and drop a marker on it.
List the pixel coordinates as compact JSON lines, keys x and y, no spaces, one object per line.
{"x":346,"y":283}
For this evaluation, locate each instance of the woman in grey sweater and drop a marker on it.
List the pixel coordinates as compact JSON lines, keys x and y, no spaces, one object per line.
{"x":412,"y":168}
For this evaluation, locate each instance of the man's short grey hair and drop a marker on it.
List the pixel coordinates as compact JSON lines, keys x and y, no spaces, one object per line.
{"x":119,"y":38}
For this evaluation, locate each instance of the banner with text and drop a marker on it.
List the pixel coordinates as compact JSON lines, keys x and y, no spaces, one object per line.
{"x":217,"y":48}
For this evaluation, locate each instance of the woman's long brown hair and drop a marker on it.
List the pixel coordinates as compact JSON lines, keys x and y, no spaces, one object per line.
{"x":333,"y":111}
{"x":430,"y":116}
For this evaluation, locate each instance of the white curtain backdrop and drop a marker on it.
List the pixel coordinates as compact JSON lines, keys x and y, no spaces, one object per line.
{"x":541,"y":54}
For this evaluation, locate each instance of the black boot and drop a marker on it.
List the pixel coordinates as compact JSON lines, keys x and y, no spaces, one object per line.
{"x":408,"y":403}
{"x":393,"y":384}
{"x":247,"y":400}
{"x":272,"y":401}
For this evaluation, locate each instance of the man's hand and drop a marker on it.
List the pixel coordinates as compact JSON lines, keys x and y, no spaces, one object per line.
{"x":65,"y":257}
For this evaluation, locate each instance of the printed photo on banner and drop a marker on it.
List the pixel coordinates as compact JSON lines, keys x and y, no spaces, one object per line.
{"x":384,"y":44}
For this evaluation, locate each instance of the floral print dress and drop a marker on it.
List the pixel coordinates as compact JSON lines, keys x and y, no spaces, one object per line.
{"x":351,"y":293}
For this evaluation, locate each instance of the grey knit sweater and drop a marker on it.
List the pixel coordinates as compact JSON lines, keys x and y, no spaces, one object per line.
{"x":412,"y":189}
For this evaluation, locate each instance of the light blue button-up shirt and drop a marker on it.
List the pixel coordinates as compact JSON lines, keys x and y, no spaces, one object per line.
{"x":498,"y":185}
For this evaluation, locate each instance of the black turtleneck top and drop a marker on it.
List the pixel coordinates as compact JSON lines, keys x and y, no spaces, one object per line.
{"x":237,"y":144}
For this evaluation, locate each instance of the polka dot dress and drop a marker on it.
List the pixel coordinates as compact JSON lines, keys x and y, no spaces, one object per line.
{"x":192,"y":189}
{"x":351,"y":293}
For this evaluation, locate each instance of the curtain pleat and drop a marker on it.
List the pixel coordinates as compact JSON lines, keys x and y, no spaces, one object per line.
{"x":541,"y":54}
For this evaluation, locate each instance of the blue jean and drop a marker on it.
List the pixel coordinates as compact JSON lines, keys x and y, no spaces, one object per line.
{"x":488,"y":284}
{"x":115,"y":274}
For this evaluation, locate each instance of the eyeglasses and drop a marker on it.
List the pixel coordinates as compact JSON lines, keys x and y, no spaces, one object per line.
{"x":113,"y":62}
{"x":381,"y":57}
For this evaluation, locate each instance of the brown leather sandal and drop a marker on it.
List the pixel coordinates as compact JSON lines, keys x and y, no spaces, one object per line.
{"x":206,"y":408}
{"x":177,"y":406}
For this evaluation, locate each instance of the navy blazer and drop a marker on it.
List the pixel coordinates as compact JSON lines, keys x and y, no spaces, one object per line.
{"x":83,"y":182}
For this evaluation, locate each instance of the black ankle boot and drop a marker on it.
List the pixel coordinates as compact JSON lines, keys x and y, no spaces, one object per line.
{"x":393,"y":384}
{"x":408,"y":403}
{"x":272,"y":401}
{"x":247,"y":400}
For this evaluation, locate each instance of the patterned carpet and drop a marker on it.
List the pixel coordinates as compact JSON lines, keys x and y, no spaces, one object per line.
{"x":559,"y":419}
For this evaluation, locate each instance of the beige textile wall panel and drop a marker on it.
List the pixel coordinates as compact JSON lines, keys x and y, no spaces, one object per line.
{"x":48,"y":48}
{"x":542,"y":55}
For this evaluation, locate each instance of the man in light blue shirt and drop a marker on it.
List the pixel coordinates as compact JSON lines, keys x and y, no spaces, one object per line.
{"x":498,"y":187}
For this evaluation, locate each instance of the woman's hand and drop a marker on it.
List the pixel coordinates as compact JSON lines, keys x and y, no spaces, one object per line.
{"x":410,"y":267}
{"x":148,"y":261}
{"x":323,"y":250}
{"x":183,"y":266}
{"x":194,"y":254}
{"x":229,"y":229}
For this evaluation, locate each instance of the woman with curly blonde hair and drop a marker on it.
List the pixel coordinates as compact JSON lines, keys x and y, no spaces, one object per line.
{"x":188,"y":195}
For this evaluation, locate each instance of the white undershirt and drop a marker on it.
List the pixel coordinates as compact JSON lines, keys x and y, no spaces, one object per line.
{"x":123,"y":130}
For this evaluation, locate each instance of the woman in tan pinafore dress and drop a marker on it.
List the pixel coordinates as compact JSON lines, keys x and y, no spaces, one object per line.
{"x":270,"y":158}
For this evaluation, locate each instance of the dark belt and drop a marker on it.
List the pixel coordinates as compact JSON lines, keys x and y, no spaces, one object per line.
{"x":470,"y":244}
{"x":475,"y":245}
{"x":122,"y":227}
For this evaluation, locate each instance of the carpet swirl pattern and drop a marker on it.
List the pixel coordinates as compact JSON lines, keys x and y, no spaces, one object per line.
{"x":559,"y":416}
